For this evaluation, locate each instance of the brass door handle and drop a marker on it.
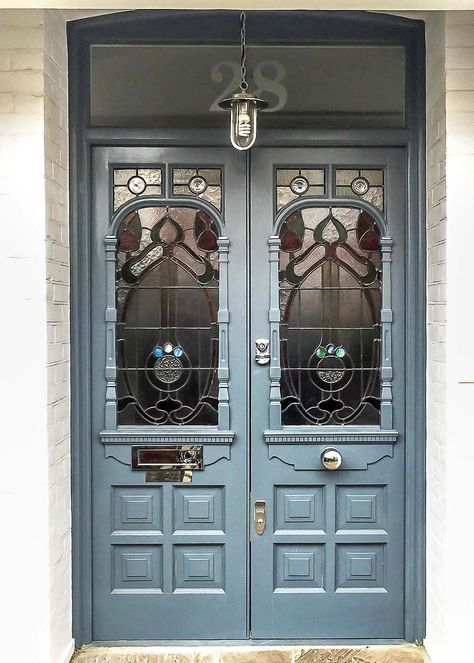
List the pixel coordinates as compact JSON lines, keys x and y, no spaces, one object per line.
{"x":259,"y":516}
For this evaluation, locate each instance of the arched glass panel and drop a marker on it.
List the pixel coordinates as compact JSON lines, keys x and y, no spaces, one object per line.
{"x":330,"y":302}
{"x":167,"y":284}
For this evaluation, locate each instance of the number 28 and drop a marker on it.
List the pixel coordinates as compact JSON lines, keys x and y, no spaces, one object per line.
{"x":230,"y":70}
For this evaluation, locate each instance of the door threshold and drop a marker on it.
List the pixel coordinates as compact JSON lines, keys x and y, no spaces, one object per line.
{"x":251,"y":652}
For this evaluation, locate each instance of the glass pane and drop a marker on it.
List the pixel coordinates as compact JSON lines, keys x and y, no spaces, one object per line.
{"x":204,"y":183}
{"x":293,"y":183}
{"x":365,"y":184}
{"x":306,"y":86}
{"x":167,"y":330}
{"x":330,"y":299}
{"x":129,"y":183}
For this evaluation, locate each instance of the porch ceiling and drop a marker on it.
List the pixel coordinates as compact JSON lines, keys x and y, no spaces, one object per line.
{"x":370,"y":5}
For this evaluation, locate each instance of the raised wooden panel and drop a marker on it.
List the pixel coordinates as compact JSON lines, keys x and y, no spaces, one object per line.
{"x":360,"y":567}
{"x":299,"y":507}
{"x":137,"y":508}
{"x":199,"y":508}
{"x":137,"y":569}
{"x":299,"y":566}
{"x":198,"y":567}
{"x":361,"y":507}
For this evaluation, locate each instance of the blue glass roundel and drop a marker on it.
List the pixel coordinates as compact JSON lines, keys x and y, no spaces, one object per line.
{"x":330,"y":348}
{"x":178,"y":351}
{"x":158,"y":351}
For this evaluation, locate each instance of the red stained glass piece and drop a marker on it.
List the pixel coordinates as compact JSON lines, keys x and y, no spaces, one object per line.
{"x":127,"y":241}
{"x":290,"y":241}
{"x":207,"y":241}
{"x":292,"y":218}
{"x":370,"y":241}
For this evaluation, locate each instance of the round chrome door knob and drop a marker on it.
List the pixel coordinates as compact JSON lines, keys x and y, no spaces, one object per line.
{"x":331,"y":458}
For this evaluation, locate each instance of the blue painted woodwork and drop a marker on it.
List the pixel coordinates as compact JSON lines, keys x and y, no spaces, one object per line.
{"x":142,"y":511}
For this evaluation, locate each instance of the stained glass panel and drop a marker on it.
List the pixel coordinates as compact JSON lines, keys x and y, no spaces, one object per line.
{"x":330,"y":301}
{"x":293,"y":183}
{"x":365,"y":184}
{"x":129,"y":183}
{"x":205,"y":183}
{"x":167,"y":331}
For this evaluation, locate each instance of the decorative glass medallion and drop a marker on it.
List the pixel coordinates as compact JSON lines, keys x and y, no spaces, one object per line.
{"x":360,"y":185}
{"x":136,"y":185}
{"x":299,"y":185}
{"x":168,"y":369}
{"x":197,"y":185}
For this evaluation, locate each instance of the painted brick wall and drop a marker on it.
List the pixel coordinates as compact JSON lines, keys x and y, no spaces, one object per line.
{"x":57,"y":277}
{"x":436,"y":330}
{"x":35,"y":488}
{"x":23,"y":465}
{"x":460,"y":231}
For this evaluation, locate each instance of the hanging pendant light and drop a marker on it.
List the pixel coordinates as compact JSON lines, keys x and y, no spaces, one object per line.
{"x":243,"y":106}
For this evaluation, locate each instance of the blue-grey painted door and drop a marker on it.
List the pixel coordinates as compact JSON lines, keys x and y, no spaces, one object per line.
{"x":195,"y":254}
{"x":330,"y":297}
{"x":169,"y":559}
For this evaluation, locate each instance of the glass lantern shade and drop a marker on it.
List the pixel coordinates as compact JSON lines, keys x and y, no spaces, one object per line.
{"x":243,"y":118}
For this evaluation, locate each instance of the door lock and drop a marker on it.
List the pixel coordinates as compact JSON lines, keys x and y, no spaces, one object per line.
{"x":262,"y":355}
{"x":260,"y":516}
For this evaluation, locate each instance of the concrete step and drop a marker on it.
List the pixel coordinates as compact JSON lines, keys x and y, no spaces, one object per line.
{"x":253,"y":654}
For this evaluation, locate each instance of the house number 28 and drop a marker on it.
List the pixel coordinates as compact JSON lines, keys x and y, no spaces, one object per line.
{"x":271,"y":81}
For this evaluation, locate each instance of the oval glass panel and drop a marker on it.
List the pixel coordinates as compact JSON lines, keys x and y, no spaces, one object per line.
{"x":167,"y":332}
{"x":330,"y":301}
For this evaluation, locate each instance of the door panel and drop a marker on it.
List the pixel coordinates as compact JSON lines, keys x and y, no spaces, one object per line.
{"x":169,"y":559}
{"x":319,"y":230}
{"x":330,"y":561}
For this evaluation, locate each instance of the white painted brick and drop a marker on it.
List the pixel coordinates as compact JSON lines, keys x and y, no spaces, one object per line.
{"x":21,"y":18}
{"x":7,"y":103}
{"x":459,"y":58}
{"x":20,"y":37}
{"x":5,"y":60}
{"x":28,"y":104}
{"x":460,"y":79}
{"x":26,"y":59}
{"x":459,"y":36}
{"x":22,"y":82}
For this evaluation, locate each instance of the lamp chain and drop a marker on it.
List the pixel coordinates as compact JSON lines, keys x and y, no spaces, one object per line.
{"x":243,"y":54}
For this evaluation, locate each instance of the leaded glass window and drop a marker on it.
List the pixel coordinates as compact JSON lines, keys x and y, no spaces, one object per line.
{"x":330,"y":303}
{"x":167,"y":283}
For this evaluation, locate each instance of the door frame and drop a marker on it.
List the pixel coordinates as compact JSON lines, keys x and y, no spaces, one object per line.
{"x":335,"y":27}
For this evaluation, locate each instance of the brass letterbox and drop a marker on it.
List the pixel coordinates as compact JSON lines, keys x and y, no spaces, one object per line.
{"x":168,"y":463}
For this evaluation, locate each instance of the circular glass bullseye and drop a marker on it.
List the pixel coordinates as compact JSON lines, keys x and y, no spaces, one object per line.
{"x":197,"y":184}
{"x":168,"y":369}
{"x":168,"y":347}
{"x":136,"y":185}
{"x":331,"y":370}
{"x":299,"y":185}
{"x":360,"y":186}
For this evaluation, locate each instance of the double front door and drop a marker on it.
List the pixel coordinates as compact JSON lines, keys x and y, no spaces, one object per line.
{"x":247,"y":389}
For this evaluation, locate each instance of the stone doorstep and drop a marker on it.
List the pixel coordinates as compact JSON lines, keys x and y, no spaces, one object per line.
{"x":255,"y":654}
